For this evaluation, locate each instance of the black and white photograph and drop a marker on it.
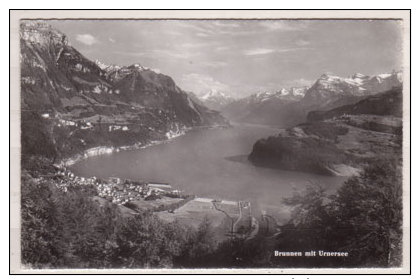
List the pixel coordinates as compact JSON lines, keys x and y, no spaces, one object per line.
{"x":232,"y":142}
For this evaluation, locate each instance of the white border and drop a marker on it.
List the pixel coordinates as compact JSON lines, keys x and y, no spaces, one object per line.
{"x":247,"y":14}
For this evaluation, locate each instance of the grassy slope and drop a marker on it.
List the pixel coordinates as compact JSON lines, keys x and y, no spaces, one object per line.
{"x":351,"y":135}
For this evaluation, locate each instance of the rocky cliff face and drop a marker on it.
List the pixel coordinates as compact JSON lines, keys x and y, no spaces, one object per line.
{"x":338,"y":141}
{"x":78,"y":103}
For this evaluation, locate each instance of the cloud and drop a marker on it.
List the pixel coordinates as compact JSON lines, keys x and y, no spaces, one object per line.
{"x":177,"y":54}
{"x":259,"y":51}
{"x":282,"y":25}
{"x":225,"y":24}
{"x":210,"y":28}
{"x":128,"y":53}
{"x":215,"y":64}
{"x":201,"y":84}
{"x":263,"y":51}
{"x":173,"y":33}
{"x":193,"y":45}
{"x":220,"y":48}
{"x":86,"y":39}
{"x":159,"y":53}
{"x":302,"y":42}
{"x":111,"y":40}
{"x":197,"y":26}
{"x":201,"y":34}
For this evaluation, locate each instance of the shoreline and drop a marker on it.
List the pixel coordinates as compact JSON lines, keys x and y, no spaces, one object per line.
{"x":167,"y":138}
{"x":102,"y":150}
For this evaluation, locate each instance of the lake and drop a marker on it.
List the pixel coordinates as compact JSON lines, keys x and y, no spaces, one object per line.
{"x":208,"y":163}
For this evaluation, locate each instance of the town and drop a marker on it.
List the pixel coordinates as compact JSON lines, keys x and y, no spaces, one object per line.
{"x":234,"y":219}
{"x":117,"y":190}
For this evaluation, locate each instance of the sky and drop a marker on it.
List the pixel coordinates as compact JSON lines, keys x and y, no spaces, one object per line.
{"x":241,"y":57}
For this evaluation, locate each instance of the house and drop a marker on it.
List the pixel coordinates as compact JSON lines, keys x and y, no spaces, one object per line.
{"x":115,"y":180}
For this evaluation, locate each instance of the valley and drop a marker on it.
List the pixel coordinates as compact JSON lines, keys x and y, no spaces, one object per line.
{"x":74,"y":108}
{"x":119,"y":159}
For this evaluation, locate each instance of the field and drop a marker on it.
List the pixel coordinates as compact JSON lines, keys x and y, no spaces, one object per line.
{"x":155,"y":204}
{"x":196,"y":211}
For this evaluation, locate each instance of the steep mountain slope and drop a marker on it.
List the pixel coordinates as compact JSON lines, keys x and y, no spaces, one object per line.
{"x":290,"y":107}
{"x":338,"y":141}
{"x":76,"y":104}
{"x":52,"y":70}
{"x":386,"y":103}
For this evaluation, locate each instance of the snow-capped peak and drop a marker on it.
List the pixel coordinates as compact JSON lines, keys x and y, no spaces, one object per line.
{"x":329,"y":77}
{"x":329,"y":87}
{"x":216,"y":99}
{"x":359,"y":75}
{"x":284,"y":92}
{"x":292,"y":93}
{"x":265,"y":94}
{"x":298,"y":91}
{"x":106,"y":67}
{"x":358,"y":78}
{"x":139,"y":67}
{"x":213,"y":93}
{"x":101,"y":65}
{"x":384,"y":76}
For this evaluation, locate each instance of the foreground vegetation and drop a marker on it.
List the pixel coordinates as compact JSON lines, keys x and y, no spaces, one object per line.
{"x":71,"y":230}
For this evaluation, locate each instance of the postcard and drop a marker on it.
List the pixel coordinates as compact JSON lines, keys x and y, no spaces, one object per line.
{"x":211,"y":142}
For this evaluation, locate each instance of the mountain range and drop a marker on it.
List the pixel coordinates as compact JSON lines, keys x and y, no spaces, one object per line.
{"x":70,"y":103}
{"x":288,"y":107}
{"x":264,"y":107}
{"x":329,"y":90}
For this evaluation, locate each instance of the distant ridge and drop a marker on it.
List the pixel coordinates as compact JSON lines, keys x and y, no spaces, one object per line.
{"x":288,"y":107}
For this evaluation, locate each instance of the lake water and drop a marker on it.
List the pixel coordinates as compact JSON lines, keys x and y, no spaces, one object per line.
{"x":208,"y":163}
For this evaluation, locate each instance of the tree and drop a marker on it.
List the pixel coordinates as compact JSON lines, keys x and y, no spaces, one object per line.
{"x":370,"y":205}
{"x":72,"y":230}
{"x":87,"y":230}
{"x":145,"y":241}
{"x":38,"y":244}
{"x":312,"y":226}
{"x":199,"y":245}
{"x":364,"y":218}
